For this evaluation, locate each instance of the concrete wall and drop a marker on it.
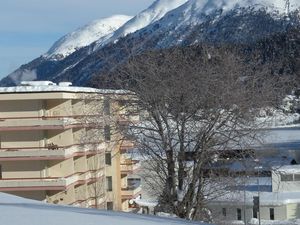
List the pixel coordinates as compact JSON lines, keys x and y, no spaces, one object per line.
{"x":36,"y":195}
{"x":21,"y":139}
{"x":22,"y":169}
{"x":62,"y":197}
{"x":59,"y":107}
{"x":80,"y":164}
{"x":60,"y":137}
{"x":283,"y":186}
{"x":293,"y":211}
{"x":21,"y":108}
{"x":60,"y":168}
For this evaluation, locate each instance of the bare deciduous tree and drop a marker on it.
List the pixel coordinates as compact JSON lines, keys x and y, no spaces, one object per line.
{"x":197,"y":103}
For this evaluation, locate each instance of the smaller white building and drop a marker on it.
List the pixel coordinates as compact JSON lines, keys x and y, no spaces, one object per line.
{"x":278,"y":198}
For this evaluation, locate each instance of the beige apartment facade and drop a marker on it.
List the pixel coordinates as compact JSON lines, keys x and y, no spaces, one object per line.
{"x":59,"y":144}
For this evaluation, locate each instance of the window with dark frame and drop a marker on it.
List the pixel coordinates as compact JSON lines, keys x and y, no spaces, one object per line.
{"x":0,"y":171}
{"x":296,"y":177}
{"x":109,"y":205}
{"x":255,"y":213}
{"x":224,"y":212}
{"x":286,"y":177}
{"x":108,"y":158}
{"x":109,"y":183}
{"x":107,"y":133}
{"x":272,"y":214}
{"x":239,"y":214}
{"x":106,"y":106}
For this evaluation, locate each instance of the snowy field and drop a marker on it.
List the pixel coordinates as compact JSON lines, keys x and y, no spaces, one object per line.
{"x":19,"y":211}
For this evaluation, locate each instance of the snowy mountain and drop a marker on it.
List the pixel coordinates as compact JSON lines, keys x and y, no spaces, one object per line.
{"x":164,"y":24}
{"x":85,"y":35}
{"x":21,"y":211}
{"x":152,"y":14}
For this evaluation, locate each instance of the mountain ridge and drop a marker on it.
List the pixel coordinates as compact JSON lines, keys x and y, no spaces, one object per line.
{"x":193,"y":21}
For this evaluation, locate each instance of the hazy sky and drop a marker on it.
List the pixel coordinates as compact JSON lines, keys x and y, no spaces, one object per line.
{"x":28,"y":28}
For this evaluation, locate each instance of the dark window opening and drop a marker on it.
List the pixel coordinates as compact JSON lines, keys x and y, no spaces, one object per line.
{"x":106,"y":106}
{"x":108,"y":158}
{"x":109,"y":205}
{"x":255,"y":212}
{"x":109,"y":183}
{"x":286,"y":177}
{"x":239,"y":214}
{"x":107,"y":133}
{"x":224,"y":212}
{"x":272,"y":214}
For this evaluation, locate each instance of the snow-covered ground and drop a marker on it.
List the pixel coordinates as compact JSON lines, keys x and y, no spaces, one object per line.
{"x":19,"y":211}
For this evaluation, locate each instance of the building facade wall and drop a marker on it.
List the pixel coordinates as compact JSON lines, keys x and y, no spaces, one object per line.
{"x":58,"y":123}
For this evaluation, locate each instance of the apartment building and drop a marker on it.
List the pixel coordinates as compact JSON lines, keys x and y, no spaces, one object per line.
{"x":60,"y":144}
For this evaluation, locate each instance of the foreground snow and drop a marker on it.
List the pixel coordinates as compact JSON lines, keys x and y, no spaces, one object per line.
{"x":19,"y":211}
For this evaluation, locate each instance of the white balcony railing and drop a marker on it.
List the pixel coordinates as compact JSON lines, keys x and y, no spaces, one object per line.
{"x":129,"y":193}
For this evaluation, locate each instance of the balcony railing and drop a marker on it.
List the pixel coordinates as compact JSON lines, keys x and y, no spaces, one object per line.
{"x":52,"y":150}
{"x":131,"y":192}
{"x":44,"y":122}
{"x":129,"y":166}
{"x":48,"y":183}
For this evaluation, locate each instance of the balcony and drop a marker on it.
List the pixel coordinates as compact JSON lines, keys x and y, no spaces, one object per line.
{"x":131,"y":192}
{"x":127,"y":145}
{"x":23,"y":184}
{"x":37,"y":123}
{"x":47,"y":183}
{"x":126,"y":118}
{"x":128,"y":166}
{"x":52,"y":151}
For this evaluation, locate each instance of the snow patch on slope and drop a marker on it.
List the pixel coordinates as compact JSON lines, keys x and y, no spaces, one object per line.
{"x":85,"y":36}
{"x":152,"y":14}
{"x":193,"y":11}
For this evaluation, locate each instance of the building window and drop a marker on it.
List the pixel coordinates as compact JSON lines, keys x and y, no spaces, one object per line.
{"x":109,"y":205}
{"x":272,"y":215}
{"x":297,"y":177}
{"x":254,"y":212}
{"x":224,"y":212}
{"x":239,"y":214}
{"x":106,"y":106}
{"x":108,"y":158}
{"x":109,"y":183}
{"x":286,"y":177}
{"x":107,"y":133}
{"x":0,"y":171}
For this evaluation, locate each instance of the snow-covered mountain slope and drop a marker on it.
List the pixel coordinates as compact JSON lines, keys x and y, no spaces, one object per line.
{"x":178,"y":24}
{"x":20,"y":211}
{"x":85,"y":35}
{"x":152,"y":14}
{"x":164,"y":24}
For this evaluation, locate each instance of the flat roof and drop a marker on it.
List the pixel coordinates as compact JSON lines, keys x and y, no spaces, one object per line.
{"x":49,"y":86}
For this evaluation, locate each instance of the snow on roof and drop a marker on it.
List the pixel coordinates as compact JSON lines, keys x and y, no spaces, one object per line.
{"x":289,"y":169}
{"x":266,"y":198}
{"x":49,"y":86}
{"x":283,"y":138}
{"x":20,"y":211}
